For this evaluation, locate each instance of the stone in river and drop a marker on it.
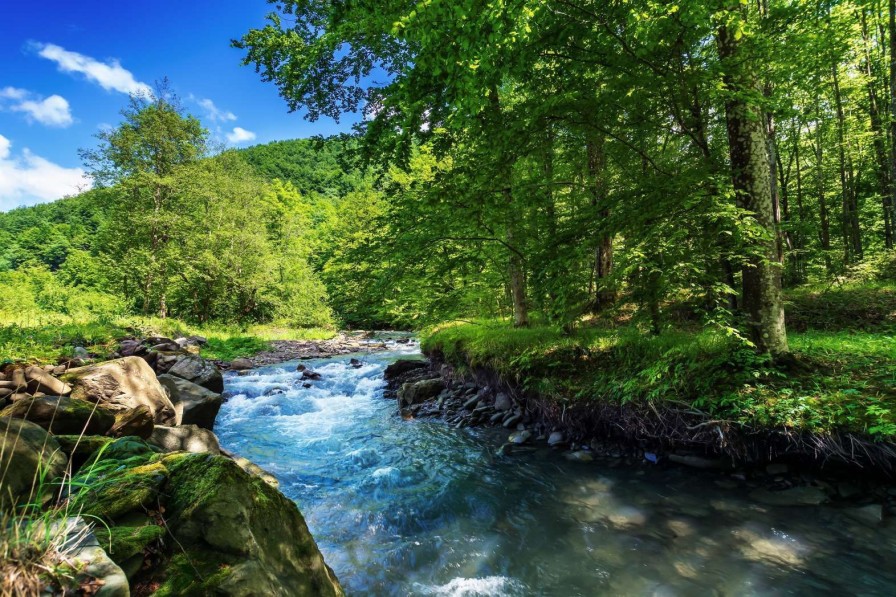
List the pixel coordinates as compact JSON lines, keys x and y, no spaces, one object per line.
{"x":795,"y":496}
{"x":556,"y":438}
{"x":502,"y":402}
{"x":520,"y":437}
{"x":580,"y":456}
{"x":471,"y":403}
{"x":512,"y":421}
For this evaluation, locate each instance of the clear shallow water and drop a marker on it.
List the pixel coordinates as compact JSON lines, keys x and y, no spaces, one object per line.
{"x":419,"y":508}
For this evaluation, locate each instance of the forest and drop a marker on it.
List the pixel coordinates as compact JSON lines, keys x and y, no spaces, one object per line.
{"x":658,"y":236}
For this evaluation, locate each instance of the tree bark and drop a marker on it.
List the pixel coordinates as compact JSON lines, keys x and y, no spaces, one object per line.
{"x":891,"y":27}
{"x":604,"y":294}
{"x":751,"y":176}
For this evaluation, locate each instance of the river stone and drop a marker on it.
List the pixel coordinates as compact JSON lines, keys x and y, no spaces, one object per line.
{"x":512,"y":420}
{"x":503,"y":402}
{"x":402,"y":366}
{"x":185,"y":438}
{"x":520,"y":437}
{"x":62,"y":415}
{"x":25,"y":449}
{"x":416,"y":392}
{"x":41,"y":381}
{"x":556,"y":438}
{"x":872,"y":514}
{"x":241,"y":364}
{"x":193,"y":404}
{"x":122,"y":384}
{"x":471,"y":403}
{"x":696,"y":461}
{"x":795,"y":496}
{"x":223,"y":518}
{"x":579,"y":456}
{"x":200,"y":372}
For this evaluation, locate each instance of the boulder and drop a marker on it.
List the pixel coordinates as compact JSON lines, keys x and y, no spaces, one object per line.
{"x":186,"y":438}
{"x":41,"y":381}
{"x":402,"y":366}
{"x":193,"y":404}
{"x":199,"y":371}
{"x":253,"y":469}
{"x":503,"y":402}
{"x":122,"y":384}
{"x":241,"y":364}
{"x":26,"y":449}
{"x":62,"y":415}
{"x":417,"y":391}
{"x":310,"y":375}
{"x":136,"y":422}
{"x":232,"y":528}
{"x":129,"y":348}
{"x":87,"y":556}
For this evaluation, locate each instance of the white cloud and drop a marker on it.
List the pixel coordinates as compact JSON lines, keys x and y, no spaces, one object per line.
{"x":214,"y":113}
{"x":109,"y":75}
{"x":28,"y":179}
{"x":240,"y":135}
{"x":51,"y":111}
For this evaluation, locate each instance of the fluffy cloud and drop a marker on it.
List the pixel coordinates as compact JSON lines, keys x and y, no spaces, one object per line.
{"x":108,"y":75}
{"x":240,"y":135}
{"x":212,"y":111}
{"x":51,"y":111}
{"x":29,"y":178}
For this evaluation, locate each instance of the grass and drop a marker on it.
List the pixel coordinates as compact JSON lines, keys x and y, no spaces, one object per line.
{"x":846,"y":381}
{"x":43,"y":338}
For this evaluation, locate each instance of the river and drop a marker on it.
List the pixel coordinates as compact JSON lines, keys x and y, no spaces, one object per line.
{"x":416,"y":507}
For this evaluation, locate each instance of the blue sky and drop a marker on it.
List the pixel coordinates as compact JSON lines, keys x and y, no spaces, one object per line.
{"x":66,"y":69}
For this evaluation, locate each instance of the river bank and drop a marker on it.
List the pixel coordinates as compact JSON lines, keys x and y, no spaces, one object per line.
{"x":116,"y":483}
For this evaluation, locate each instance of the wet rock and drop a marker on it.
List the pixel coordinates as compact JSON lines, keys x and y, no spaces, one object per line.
{"x":311,"y":375}
{"x":795,"y":496}
{"x":580,"y":456}
{"x":200,"y":372}
{"x":503,"y":402}
{"x":25,"y":449}
{"x":471,"y":403}
{"x":355,"y":363}
{"x":240,"y":364}
{"x":871,"y":515}
{"x":495,"y":418}
{"x":520,"y":437}
{"x":403,"y":366}
{"x":193,"y":404}
{"x":62,"y":415}
{"x":556,"y":439}
{"x":88,"y":557}
{"x":255,"y":470}
{"x":186,"y":438}
{"x":122,"y":384}
{"x":416,"y":392}
{"x":512,"y":420}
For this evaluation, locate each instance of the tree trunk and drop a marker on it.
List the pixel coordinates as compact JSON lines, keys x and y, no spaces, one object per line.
{"x":852,"y":237}
{"x":605,"y":294}
{"x":751,"y":176}
{"x":824,"y":235}
{"x":892,"y":46}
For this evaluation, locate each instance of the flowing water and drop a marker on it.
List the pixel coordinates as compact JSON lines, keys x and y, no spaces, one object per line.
{"x":418,"y":508}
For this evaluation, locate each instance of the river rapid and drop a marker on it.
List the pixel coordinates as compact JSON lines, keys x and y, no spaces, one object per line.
{"x":415,"y":507}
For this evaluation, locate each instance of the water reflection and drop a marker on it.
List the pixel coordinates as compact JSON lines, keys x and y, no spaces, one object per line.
{"x":418,"y":508}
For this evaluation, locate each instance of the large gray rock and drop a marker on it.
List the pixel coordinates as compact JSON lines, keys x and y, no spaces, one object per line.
{"x":26,"y":449}
{"x":503,"y":402}
{"x":91,"y":560}
{"x":61,"y":415}
{"x":240,"y":364}
{"x":122,"y":384}
{"x":402,"y":366}
{"x":199,"y":371}
{"x":186,"y":438}
{"x":193,"y":404}
{"x":222,"y":516}
{"x":416,"y":392}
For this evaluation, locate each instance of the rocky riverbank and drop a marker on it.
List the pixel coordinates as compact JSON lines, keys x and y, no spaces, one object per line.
{"x":127,"y":460}
{"x":431,"y":389}
{"x":281,"y":351}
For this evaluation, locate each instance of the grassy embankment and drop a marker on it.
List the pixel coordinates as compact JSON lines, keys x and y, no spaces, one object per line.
{"x":45,"y":337}
{"x":844,"y":382}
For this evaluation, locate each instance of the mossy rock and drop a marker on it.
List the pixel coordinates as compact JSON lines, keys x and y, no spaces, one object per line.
{"x":110,"y":491}
{"x":30,"y":459}
{"x":241,"y":522}
{"x":124,"y":542}
{"x":127,"y":450}
{"x":81,"y":447}
{"x":62,"y":415}
{"x":194,"y":572}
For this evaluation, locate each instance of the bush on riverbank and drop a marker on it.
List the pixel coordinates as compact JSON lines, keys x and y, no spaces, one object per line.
{"x":840,"y":382}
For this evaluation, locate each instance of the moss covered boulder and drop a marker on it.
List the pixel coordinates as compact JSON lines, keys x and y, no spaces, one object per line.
{"x":243,"y":536}
{"x":61,"y":415}
{"x":28,"y":454}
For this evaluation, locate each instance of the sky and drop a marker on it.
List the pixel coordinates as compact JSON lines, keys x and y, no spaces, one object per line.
{"x":66,"y":69}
